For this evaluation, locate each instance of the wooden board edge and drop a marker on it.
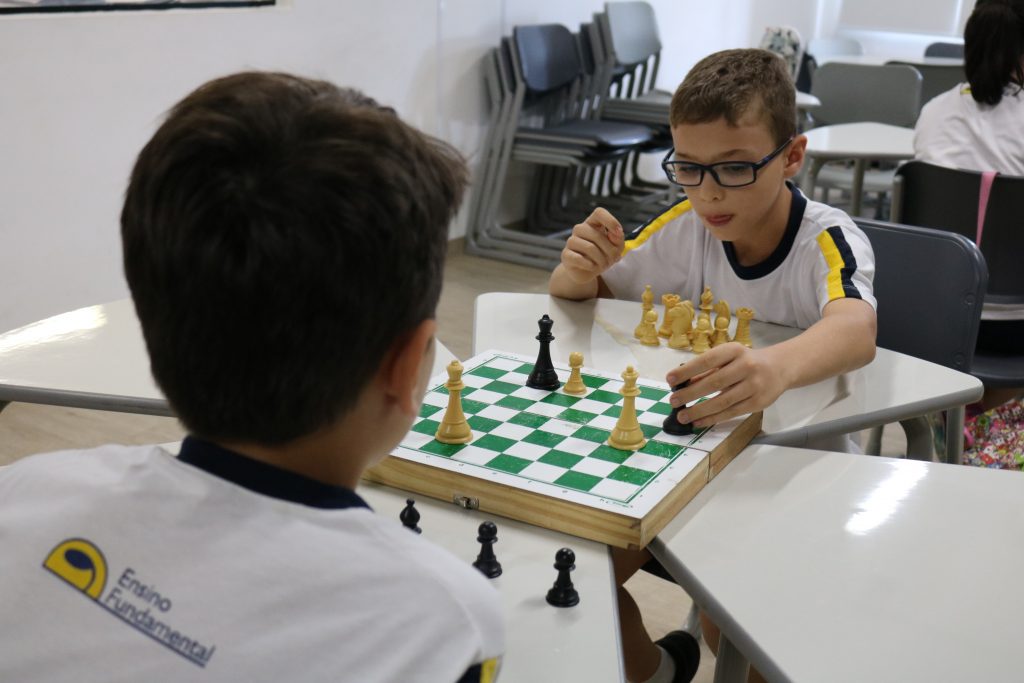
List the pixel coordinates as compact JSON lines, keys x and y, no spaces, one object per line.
{"x":526,"y":506}
{"x":674,"y":501}
{"x":731,"y":446}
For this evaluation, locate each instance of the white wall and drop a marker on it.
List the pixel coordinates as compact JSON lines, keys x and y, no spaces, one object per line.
{"x":81,"y":93}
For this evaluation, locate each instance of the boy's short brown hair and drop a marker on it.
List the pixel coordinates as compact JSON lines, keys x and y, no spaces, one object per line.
{"x":732,"y":83}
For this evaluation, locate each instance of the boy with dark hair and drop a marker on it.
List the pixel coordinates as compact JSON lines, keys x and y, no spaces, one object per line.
{"x":284,"y":242}
{"x":757,"y":241}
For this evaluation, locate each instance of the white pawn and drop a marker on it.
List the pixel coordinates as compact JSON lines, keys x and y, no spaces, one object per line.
{"x":575,"y":384}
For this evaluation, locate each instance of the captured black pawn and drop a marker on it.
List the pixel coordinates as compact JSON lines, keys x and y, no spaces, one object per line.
{"x":543,"y":375}
{"x":672,"y":425}
{"x":410,"y":516}
{"x":562,"y":594}
{"x":486,"y":562}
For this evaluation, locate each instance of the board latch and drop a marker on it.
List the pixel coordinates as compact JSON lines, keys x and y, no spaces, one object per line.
{"x":466,"y":502}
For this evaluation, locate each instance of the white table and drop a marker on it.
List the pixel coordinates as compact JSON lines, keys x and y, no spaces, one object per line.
{"x":891,"y":388}
{"x":835,"y":567}
{"x":862,"y":142}
{"x":92,"y":357}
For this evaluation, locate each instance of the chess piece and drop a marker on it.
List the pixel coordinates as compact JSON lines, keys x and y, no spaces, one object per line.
{"x":575,"y":384}
{"x":682,"y":319}
{"x":722,"y":311}
{"x":743,"y":317}
{"x":486,"y":562}
{"x":668,"y":301}
{"x":454,"y":428}
{"x":649,"y":337}
{"x":721,"y":333}
{"x":627,"y":435}
{"x":672,"y":425}
{"x":410,"y":516}
{"x":701,"y":342}
{"x":543,"y":375}
{"x":648,"y":304}
{"x":705,"y":300}
{"x":688,"y":305}
{"x":563,"y":593}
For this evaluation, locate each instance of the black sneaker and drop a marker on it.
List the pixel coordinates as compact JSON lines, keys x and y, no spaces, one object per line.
{"x":685,"y":652}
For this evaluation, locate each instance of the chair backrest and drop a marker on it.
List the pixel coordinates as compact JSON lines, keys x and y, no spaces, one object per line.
{"x":930,"y":285}
{"x":823,"y":48}
{"x":548,"y":56}
{"x":633,"y":31}
{"x":859,"y":92}
{"x":954,"y":50}
{"x":947,"y":199}
{"x":935,"y":79}
{"x":786,"y":42}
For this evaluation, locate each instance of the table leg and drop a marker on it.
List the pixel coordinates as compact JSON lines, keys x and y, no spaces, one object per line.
{"x":730,"y":665}
{"x":857,"y":192}
{"x":919,"y":438}
{"x":954,"y":435}
{"x":810,"y":179}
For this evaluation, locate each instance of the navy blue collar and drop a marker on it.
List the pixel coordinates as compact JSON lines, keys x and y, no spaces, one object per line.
{"x":268,"y":480}
{"x":775,"y":259}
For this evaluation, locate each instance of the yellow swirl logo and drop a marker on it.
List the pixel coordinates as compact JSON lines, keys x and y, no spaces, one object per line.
{"x":81,"y":564}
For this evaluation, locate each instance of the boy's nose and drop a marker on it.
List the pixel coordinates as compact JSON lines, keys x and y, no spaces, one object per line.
{"x":709,"y":189}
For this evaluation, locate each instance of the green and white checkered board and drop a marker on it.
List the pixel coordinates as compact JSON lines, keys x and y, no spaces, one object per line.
{"x":555,"y":443}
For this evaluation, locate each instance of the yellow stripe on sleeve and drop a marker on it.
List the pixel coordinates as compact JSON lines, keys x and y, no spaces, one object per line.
{"x":489,"y":671}
{"x":656,"y":225}
{"x":835,"y":264}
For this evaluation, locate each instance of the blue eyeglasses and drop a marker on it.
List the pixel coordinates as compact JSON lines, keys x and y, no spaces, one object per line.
{"x":725,"y":173}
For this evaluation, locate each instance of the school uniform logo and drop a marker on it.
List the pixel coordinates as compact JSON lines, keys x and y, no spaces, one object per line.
{"x":81,"y":564}
{"x":136,"y":602}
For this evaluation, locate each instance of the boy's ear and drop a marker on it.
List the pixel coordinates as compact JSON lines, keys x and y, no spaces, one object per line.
{"x":406,"y":367}
{"x":795,"y":156}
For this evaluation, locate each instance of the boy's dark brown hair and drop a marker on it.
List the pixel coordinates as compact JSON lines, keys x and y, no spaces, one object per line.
{"x":733,"y":83}
{"x":280,"y":234}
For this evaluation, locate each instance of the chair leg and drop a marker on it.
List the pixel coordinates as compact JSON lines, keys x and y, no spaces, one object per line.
{"x":919,"y":439}
{"x":692,"y":623}
{"x":874,"y":444}
{"x":954,"y":435}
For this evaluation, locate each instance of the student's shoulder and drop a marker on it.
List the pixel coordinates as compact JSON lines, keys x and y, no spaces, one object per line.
{"x":97,"y":464}
{"x":665,"y":224}
{"x":825,"y":225}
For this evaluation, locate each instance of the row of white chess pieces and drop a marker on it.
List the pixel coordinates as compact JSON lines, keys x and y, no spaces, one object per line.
{"x":678,"y":324}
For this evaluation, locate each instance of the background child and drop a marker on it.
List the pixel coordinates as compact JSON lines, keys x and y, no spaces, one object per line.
{"x":979,"y":126}
{"x":284,"y":242}
{"x":751,"y":236}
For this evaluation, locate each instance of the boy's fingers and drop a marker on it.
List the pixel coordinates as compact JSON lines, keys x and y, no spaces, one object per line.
{"x":589,"y":250}
{"x":712,"y":410}
{"x":704,"y":363}
{"x":601,"y":218}
{"x":741,"y":408}
{"x":601,"y":238}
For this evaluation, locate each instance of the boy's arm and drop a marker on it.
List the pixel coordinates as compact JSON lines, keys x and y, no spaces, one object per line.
{"x":593,"y":247}
{"x":751,"y":379}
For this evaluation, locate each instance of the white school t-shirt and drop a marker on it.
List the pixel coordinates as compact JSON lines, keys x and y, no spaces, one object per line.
{"x":956,"y":132}
{"x":125,"y":564}
{"x":823,"y":256}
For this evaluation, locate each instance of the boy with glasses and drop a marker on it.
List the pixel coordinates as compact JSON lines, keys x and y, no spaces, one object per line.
{"x":745,"y":231}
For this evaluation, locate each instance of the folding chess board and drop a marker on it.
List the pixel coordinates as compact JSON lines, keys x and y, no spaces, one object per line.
{"x":542,"y":456}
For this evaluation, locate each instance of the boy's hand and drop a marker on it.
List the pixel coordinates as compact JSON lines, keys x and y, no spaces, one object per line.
{"x":594,"y":246}
{"x":749,"y":379}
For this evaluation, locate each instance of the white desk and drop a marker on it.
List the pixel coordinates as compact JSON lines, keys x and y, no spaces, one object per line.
{"x":543,"y":643}
{"x":92,"y":357}
{"x":805,"y":101}
{"x":834,"y":567}
{"x":891,"y":388}
{"x":862,"y":142}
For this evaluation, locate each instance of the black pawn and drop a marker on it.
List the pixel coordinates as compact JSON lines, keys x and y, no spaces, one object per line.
{"x":562,"y":594}
{"x":486,"y":562}
{"x":543,"y":375}
{"x":672,"y":425}
{"x":410,"y":516}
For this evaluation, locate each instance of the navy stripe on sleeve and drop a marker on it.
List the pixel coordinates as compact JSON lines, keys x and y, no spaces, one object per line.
{"x":849,"y":262}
